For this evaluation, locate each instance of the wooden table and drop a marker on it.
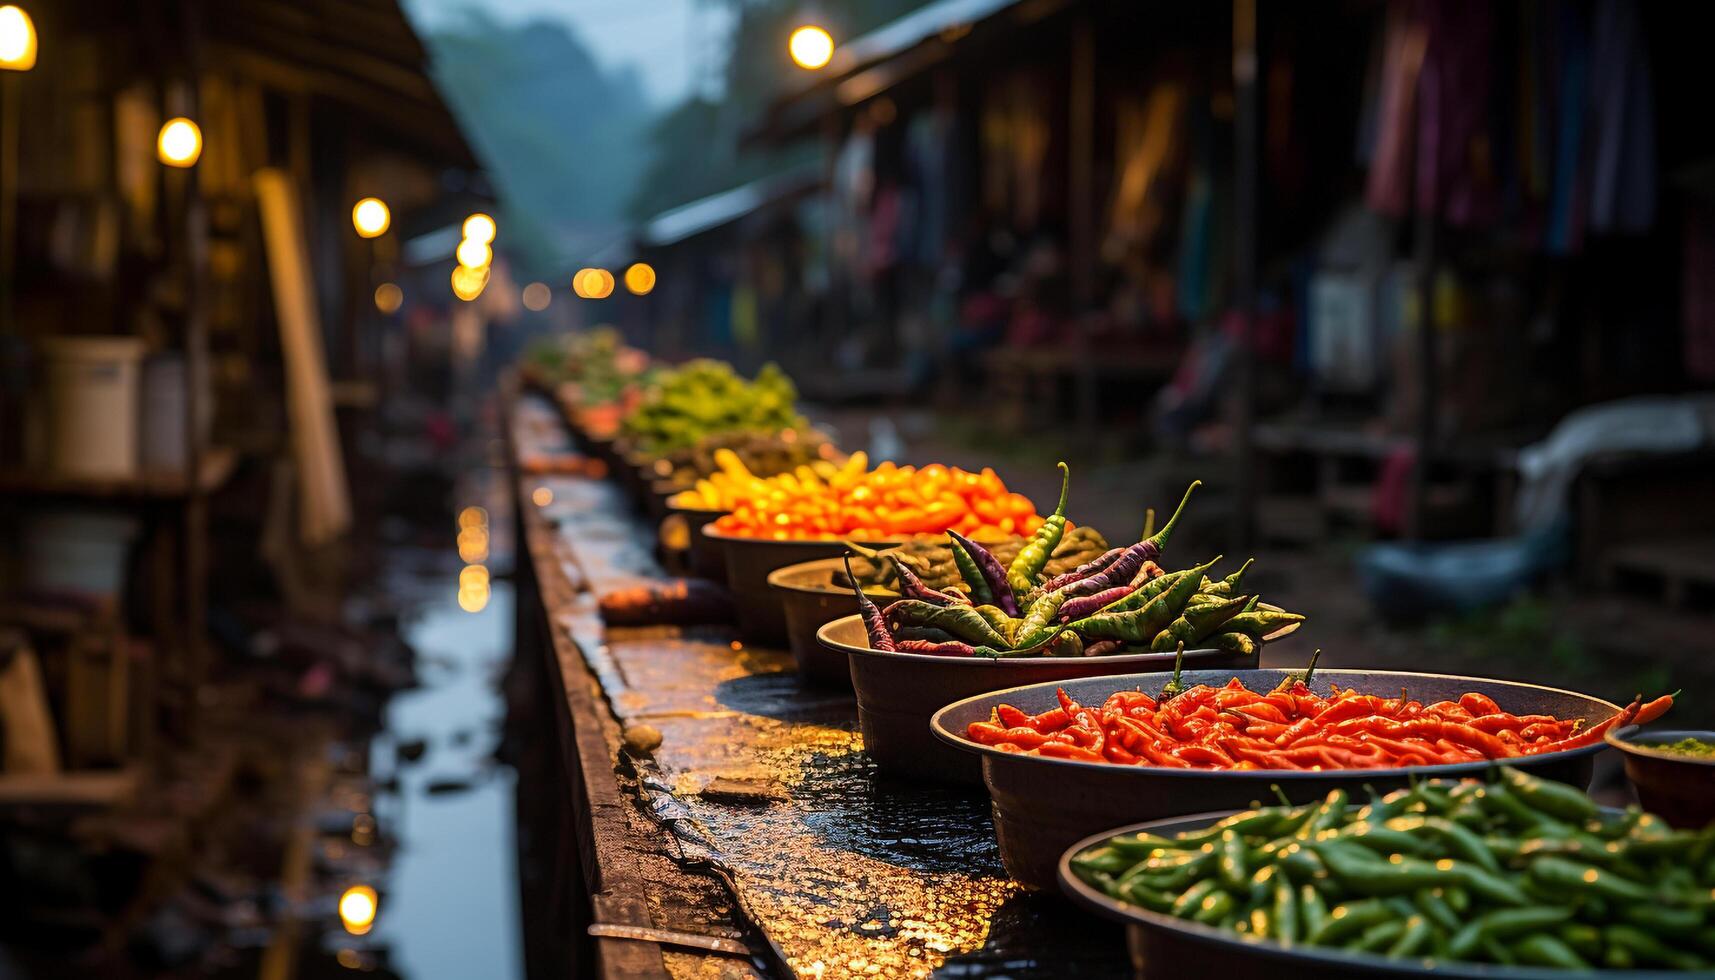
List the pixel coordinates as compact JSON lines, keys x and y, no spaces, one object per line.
{"x":758,"y":827}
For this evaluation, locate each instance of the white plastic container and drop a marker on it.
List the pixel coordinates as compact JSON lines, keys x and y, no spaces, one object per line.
{"x":92,"y":405}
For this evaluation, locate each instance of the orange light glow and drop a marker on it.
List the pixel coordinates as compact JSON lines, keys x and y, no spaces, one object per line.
{"x":811,"y":47}
{"x":370,"y":217}
{"x":640,"y":278}
{"x":180,"y":143}
{"x":357,"y":909}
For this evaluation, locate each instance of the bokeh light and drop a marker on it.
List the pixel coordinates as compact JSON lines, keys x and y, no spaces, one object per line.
{"x":357,"y":909}
{"x":17,"y":39}
{"x":811,"y":47}
{"x":479,"y":227}
{"x":389,"y":297}
{"x":537,"y":296}
{"x":640,"y":278}
{"x":180,"y":143}
{"x":370,"y":217}
{"x":473,"y":254}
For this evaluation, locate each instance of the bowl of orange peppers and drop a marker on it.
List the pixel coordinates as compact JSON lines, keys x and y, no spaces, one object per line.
{"x":810,"y":512}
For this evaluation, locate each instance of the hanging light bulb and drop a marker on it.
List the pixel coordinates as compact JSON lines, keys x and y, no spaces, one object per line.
{"x":180,"y":143}
{"x":17,"y":39}
{"x":640,"y":278}
{"x":479,"y":227}
{"x":811,"y":47}
{"x":370,"y":217}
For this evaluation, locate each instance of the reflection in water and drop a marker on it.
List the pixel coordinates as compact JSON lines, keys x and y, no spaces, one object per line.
{"x":452,"y":891}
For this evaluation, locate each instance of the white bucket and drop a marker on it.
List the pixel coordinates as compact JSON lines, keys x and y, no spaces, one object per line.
{"x":92,"y":405}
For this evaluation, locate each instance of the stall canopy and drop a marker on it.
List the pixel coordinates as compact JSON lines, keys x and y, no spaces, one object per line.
{"x":718,"y":210}
{"x":870,"y":64}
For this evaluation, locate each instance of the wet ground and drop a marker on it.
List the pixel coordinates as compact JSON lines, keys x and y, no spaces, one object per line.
{"x":450,"y":908}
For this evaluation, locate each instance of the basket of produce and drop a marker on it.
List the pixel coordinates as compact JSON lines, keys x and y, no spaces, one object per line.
{"x":1673,"y":772}
{"x":1511,"y":876}
{"x":897,"y":693}
{"x":811,"y":512}
{"x":703,"y":397}
{"x":817,"y":592}
{"x":1013,"y":621}
{"x":1061,"y":761}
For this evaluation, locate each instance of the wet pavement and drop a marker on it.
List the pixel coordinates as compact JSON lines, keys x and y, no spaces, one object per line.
{"x":450,"y":908}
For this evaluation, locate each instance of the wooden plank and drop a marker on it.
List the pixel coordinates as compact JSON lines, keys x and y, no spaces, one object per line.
{"x":324,"y":499}
{"x":69,"y":790}
{"x":216,"y":467}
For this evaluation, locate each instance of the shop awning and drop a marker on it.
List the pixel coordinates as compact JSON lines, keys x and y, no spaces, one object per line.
{"x":717,"y":210}
{"x":869,"y":64}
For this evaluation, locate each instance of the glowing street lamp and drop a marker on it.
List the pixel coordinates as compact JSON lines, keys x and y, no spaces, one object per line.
{"x":17,"y":39}
{"x":357,"y":909}
{"x":474,"y":254}
{"x":811,"y":47}
{"x":370,"y":217}
{"x":479,"y":227}
{"x":640,"y":278}
{"x":180,"y":143}
{"x":593,"y":283}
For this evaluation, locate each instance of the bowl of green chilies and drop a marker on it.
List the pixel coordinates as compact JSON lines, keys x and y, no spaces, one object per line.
{"x":1042,"y":804}
{"x":898,"y":693}
{"x":1510,"y":876}
{"x":1673,"y":772}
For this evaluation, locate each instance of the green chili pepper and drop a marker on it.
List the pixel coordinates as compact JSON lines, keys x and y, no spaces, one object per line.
{"x":1371,"y":876}
{"x":1237,"y":643}
{"x":1155,"y":900}
{"x":1434,"y":907}
{"x":1228,"y":585}
{"x":1678,"y":923}
{"x":1141,"y":625}
{"x":1192,"y":898}
{"x":997,"y":618}
{"x":1558,"y":800}
{"x":963,"y":622}
{"x":1285,"y":914}
{"x":1106,"y":859}
{"x":1027,"y":564}
{"x":1350,"y":919}
{"x":1504,"y":924}
{"x":1312,"y":911}
{"x":1263,"y":623}
{"x":1231,"y":862}
{"x":1499,"y":800}
{"x":1643,"y":946}
{"x":1378,"y":937}
{"x":1144,"y":593}
{"x":1173,"y":688}
{"x":1039,"y":618}
{"x":1197,"y":622}
{"x":1558,"y":872}
{"x":1542,"y":949}
{"x":929,"y":633}
{"x":1302,"y":864}
{"x":1461,"y":840}
{"x":981,"y":594}
{"x":1329,"y":814}
{"x":1416,"y":936}
{"x":1212,"y":908}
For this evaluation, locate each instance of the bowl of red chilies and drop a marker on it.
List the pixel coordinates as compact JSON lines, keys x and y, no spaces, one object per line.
{"x":1064,"y":760}
{"x":898,"y":692}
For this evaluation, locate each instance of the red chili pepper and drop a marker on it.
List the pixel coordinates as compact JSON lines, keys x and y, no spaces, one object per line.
{"x":1060,"y":750}
{"x":1478,"y":704}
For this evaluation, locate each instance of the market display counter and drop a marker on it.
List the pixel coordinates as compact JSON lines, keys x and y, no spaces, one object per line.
{"x":756,"y":839}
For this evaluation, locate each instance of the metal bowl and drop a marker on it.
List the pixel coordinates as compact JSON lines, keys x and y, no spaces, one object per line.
{"x":761,"y":617}
{"x":1678,"y":788}
{"x":682,"y":529}
{"x":1042,"y":805}
{"x":1164,"y":947}
{"x":809,"y":598}
{"x":898,"y":693}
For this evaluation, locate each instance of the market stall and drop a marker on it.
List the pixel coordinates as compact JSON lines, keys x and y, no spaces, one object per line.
{"x":1017,"y":692}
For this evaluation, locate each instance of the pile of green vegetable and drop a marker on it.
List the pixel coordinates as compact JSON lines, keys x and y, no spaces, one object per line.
{"x":1518,"y":870}
{"x":597,"y":363}
{"x":1120,"y":601}
{"x":704,"y":397}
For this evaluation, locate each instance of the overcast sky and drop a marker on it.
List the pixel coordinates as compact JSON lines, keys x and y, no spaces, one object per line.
{"x":669,"y":42}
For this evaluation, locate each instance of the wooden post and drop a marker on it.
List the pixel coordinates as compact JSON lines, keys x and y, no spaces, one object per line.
{"x":1081,"y":205}
{"x":1244,"y":268}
